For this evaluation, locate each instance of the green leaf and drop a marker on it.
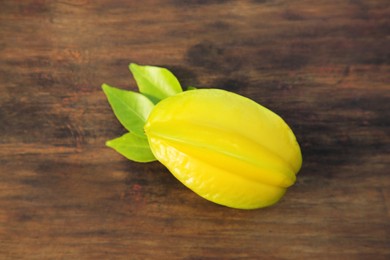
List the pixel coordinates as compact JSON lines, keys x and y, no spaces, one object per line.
{"x":154,"y":82}
{"x":132,"y":109}
{"x":191,"y":88}
{"x":132,"y":147}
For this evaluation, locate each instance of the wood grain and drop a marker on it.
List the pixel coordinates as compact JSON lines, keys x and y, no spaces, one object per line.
{"x":324,"y":66}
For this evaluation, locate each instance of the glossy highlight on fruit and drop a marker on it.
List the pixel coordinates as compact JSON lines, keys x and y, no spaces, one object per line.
{"x":225,"y":147}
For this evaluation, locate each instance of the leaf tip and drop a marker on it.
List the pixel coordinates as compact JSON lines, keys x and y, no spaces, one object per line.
{"x":108,"y":143}
{"x":133,"y":66}
{"x":106,"y":87}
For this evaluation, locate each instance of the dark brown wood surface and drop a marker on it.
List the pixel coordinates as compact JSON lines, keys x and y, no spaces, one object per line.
{"x":324,"y":66}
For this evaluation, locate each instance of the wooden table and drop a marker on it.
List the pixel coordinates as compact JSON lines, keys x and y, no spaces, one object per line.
{"x":324,"y":66}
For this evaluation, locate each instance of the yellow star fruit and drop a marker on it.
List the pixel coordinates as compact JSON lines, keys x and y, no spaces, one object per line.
{"x":225,"y":147}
